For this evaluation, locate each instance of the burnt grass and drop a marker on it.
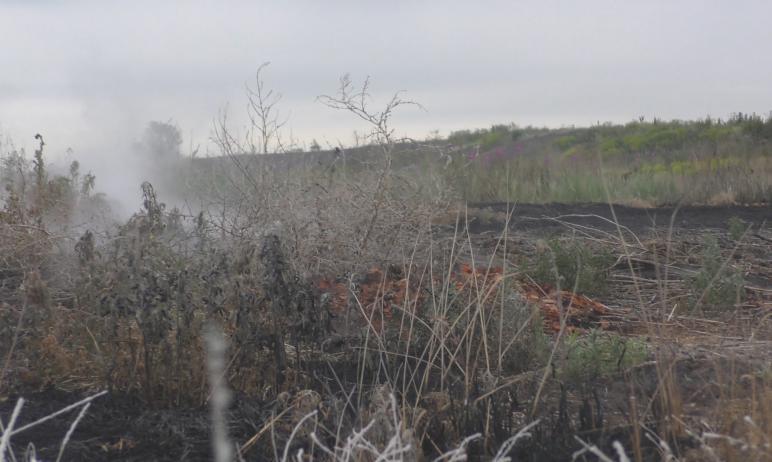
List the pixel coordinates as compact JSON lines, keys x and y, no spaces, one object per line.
{"x":123,"y":427}
{"x":701,"y":346}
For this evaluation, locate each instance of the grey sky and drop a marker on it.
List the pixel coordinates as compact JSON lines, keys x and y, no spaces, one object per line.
{"x":90,"y":74}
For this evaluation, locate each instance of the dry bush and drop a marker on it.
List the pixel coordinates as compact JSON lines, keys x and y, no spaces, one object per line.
{"x":332,"y":218}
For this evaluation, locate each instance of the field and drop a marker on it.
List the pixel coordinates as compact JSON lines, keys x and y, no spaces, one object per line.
{"x":601,"y":293}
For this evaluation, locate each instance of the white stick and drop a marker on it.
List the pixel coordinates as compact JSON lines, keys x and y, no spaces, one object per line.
{"x":71,"y":430}
{"x":59,"y":412}
{"x":9,"y":431}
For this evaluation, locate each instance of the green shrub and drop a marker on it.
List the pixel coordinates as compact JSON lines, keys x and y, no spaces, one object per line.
{"x":611,"y":146}
{"x":577,"y":264}
{"x":565,"y":142}
{"x":713,"y":285}
{"x":532,"y":349}
{"x":737,"y":228}
{"x":492,"y":139}
{"x":597,"y":355}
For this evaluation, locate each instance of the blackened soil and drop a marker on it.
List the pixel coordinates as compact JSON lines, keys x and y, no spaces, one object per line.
{"x":541,"y":217}
{"x":121,"y":428}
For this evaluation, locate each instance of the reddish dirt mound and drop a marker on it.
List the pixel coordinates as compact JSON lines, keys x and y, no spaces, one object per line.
{"x":378,"y":293}
{"x":581,"y":312}
{"x":374,"y":294}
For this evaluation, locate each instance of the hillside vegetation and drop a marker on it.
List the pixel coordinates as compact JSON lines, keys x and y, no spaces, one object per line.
{"x":649,"y":163}
{"x":642,"y":163}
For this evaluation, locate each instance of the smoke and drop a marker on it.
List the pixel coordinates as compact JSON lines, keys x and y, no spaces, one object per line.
{"x":90,"y":75}
{"x":121,"y":159}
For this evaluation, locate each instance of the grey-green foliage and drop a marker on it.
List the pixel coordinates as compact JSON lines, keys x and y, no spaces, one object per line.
{"x":596,"y":355}
{"x":577,"y":265}
{"x":716,"y":285}
{"x":532,"y":346}
{"x":737,"y":228}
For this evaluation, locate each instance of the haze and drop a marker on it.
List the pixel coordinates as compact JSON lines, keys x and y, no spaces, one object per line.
{"x":90,"y":75}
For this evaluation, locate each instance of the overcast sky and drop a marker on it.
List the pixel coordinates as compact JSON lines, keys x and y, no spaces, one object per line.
{"x":90,"y":74}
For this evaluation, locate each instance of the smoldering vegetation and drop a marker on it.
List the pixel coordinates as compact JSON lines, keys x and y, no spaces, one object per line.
{"x":348,"y":304}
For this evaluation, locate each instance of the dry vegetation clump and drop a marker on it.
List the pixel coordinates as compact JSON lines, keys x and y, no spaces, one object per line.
{"x":341,"y":216}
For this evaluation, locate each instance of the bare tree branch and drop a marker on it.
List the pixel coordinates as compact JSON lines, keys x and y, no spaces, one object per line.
{"x":264,"y":115}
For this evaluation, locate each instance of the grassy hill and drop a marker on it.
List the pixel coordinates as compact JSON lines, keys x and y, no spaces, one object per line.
{"x":647,"y":163}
